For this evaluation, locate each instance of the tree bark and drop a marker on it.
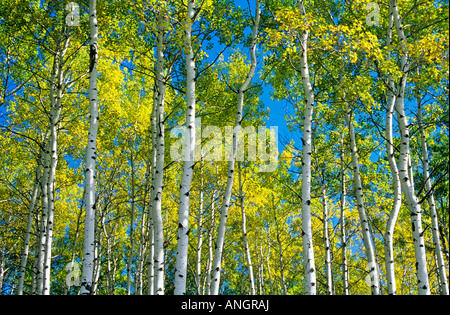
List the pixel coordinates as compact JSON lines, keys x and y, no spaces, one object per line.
{"x":217,"y":265}
{"x":35,"y":195}
{"x":308,"y":248}
{"x":405,"y":172}
{"x":91,"y":152}
{"x":372,"y":263}
{"x":244,"y":235}
{"x":131,"y":236}
{"x":431,"y":203}
{"x":188,"y":168}
{"x":345,"y":273}
{"x":397,"y":197}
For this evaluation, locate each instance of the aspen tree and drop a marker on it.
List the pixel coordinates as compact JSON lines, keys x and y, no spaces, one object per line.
{"x":132,"y":211}
{"x":217,"y":265}
{"x":198,"y":263}
{"x":345,"y":273}
{"x":158,"y":151}
{"x":244,"y":234}
{"x":397,"y":197}
{"x":280,"y":249}
{"x":210,"y":245}
{"x":307,"y":239}
{"x":326,"y":242}
{"x":431,"y":202}
{"x":35,"y":195}
{"x":188,"y":167}
{"x":55,"y":113}
{"x":91,"y":152}
{"x":326,"y":239}
{"x":49,"y":165}
{"x":372,"y":263}
{"x":405,"y":172}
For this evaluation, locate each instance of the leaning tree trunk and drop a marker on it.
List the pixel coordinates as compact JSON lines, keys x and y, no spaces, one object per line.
{"x":35,"y":195}
{"x":217,"y":265}
{"x":91,"y":152}
{"x":431,"y":203}
{"x":308,"y":249}
{"x":188,"y":168}
{"x":373,"y":267}
{"x":405,"y":171}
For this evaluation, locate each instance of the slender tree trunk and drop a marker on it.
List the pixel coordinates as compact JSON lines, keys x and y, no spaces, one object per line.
{"x":43,"y":225}
{"x":431,"y":203}
{"x":397,"y":197}
{"x":210,"y":244}
{"x":259,"y":264}
{"x":244,"y":235}
{"x":142,"y":243}
{"x":55,"y":113}
{"x":444,"y":232}
{"x":372,"y":263}
{"x":280,"y":249}
{"x":158,"y":136}
{"x":45,"y":180}
{"x":97,"y":261}
{"x":404,"y":170}
{"x":109,"y":276}
{"x":91,"y":152}
{"x":308,"y":248}
{"x":33,"y":200}
{"x":151,"y":269}
{"x":345,"y":274}
{"x":198,"y":263}
{"x":131,"y":236}
{"x":231,"y":162}
{"x":75,"y":239}
{"x":188,"y":168}
{"x":269,"y":272}
{"x":326,"y":242}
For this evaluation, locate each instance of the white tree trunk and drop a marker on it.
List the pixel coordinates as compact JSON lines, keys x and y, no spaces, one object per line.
{"x":188,"y":168}
{"x":397,"y":197}
{"x":280,"y":249}
{"x":151,"y":269}
{"x":131,"y":235}
{"x":210,"y":245}
{"x":405,"y":172}
{"x":158,"y":136}
{"x":33,"y":200}
{"x":431,"y":203}
{"x":55,"y":113}
{"x":198,"y":263}
{"x":326,"y":243}
{"x":357,"y":184}
{"x":326,"y":238}
{"x":308,"y":248}
{"x":345,"y":274}
{"x":44,"y":204}
{"x":91,"y":152}
{"x":244,"y":234}
{"x":215,"y":282}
